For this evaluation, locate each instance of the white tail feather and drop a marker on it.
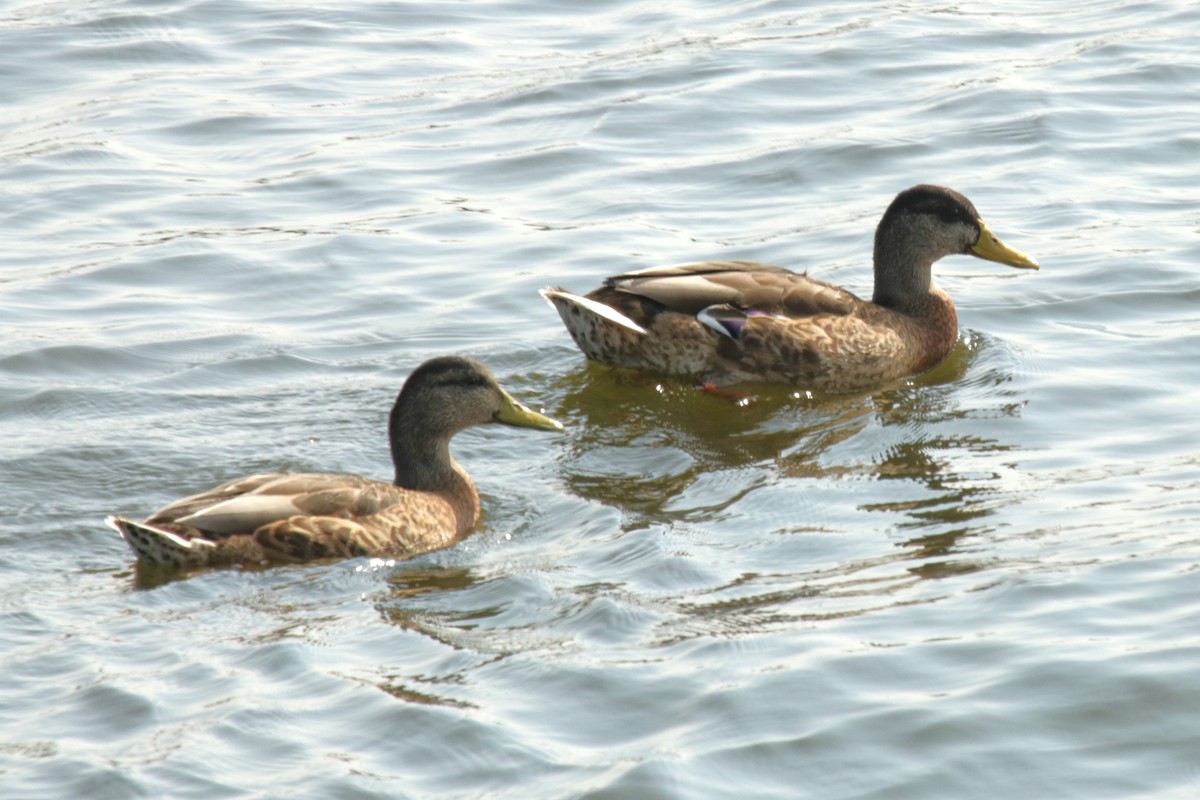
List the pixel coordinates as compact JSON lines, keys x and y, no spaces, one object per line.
{"x":599,"y":309}
{"x":116,"y":523}
{"x":159,"y":546}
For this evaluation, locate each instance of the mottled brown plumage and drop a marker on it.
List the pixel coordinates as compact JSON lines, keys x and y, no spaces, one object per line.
{"x":282,"y":517}
{"x":730,"y":321}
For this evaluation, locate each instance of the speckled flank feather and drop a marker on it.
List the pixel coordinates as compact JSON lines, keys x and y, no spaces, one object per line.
{"x":732,"y":321}
{"x":275,"y":518}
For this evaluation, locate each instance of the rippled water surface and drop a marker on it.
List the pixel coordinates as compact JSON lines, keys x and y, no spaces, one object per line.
{"x":233,"y":228}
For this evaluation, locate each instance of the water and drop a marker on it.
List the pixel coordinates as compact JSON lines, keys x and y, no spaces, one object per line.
{"x":232,"y":229}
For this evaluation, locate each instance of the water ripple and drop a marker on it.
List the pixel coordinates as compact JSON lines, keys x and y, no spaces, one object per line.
{"x":234,"y":228}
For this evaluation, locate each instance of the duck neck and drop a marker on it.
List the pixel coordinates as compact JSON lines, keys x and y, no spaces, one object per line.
{"x":903,"y":281}
{"x":423,"y":463}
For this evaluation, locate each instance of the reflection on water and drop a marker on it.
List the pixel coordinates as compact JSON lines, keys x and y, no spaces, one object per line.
{"x":150,"y":576}
{"x":639,"y":440}
{"x":409,"y":583}
{"x":900,"y":461}
{"x":396,"y":607}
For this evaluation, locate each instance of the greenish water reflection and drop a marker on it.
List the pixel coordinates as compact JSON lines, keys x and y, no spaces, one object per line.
{"x":638,"y":442}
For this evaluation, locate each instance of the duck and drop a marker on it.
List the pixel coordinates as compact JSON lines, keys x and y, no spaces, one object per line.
{"x":729,"y":322}
{"x":275,"y":518}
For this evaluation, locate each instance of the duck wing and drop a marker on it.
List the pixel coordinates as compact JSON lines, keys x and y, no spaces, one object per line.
{"x":246,"y":504}
{"x":743,"y":285}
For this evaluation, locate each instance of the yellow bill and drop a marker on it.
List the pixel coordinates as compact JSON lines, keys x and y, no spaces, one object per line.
{"x":990,"y":247}
{"x":513,"y":413}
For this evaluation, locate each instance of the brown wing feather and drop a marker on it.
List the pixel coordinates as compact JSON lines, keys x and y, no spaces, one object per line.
{"x":196,"y":502}
{"x":690,"y":288}
{"x":241,"y":506}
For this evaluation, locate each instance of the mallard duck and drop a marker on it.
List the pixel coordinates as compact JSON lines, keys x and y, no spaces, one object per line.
{"x":725,"y":322}
{"x":279,"y":517}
